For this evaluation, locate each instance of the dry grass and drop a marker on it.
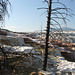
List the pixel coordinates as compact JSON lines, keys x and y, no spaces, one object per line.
{"x":37,"y":73}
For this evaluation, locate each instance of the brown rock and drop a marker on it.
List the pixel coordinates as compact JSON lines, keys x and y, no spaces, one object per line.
{"x":3,"y":33}
{"x":70,"y":56}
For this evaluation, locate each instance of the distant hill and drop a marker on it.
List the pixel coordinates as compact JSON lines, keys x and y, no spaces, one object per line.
{"x":67,"y":29}
{"x":63,"y":29}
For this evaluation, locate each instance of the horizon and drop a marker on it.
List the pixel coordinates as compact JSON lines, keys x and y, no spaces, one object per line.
{"x":71,"y":30}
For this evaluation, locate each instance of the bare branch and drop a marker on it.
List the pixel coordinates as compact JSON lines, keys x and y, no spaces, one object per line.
{"x":61,"y":4}
{"x":54,"y":29}
{"x":63,"y":18}
{"x":63,"y":13}
{"x":54,"y":14}
{"x":46,"y":1}
{"x":57,"y":23}
{"x":67,"y":9}
{"x":42,"y":8}
{"x":43,"y":12}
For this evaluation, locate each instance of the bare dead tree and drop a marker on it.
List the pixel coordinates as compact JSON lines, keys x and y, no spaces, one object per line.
{"x":47,"y":35}
{"x":3,"y":12}
{"x":3,"y":9}
{"x":54,"y":15}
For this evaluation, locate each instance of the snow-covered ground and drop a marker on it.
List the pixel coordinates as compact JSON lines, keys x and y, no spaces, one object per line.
{"x":20,"y":46}
{"x":65,"y":65}
{"x":62,"y":64}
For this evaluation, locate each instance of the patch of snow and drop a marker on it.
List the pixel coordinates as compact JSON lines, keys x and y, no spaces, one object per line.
{"x":61,"y":63}
{"x":47,"y":72}
{"x":24,"y":49}
{"x":65,"y":65}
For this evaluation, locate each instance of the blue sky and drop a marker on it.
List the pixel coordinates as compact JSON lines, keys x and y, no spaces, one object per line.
{"x":26,"y":18}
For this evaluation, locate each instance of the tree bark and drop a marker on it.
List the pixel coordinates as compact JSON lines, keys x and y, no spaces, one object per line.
{"x":47,"y":36}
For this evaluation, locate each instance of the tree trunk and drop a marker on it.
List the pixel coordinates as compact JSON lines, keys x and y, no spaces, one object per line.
{"x":47,"y":36}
